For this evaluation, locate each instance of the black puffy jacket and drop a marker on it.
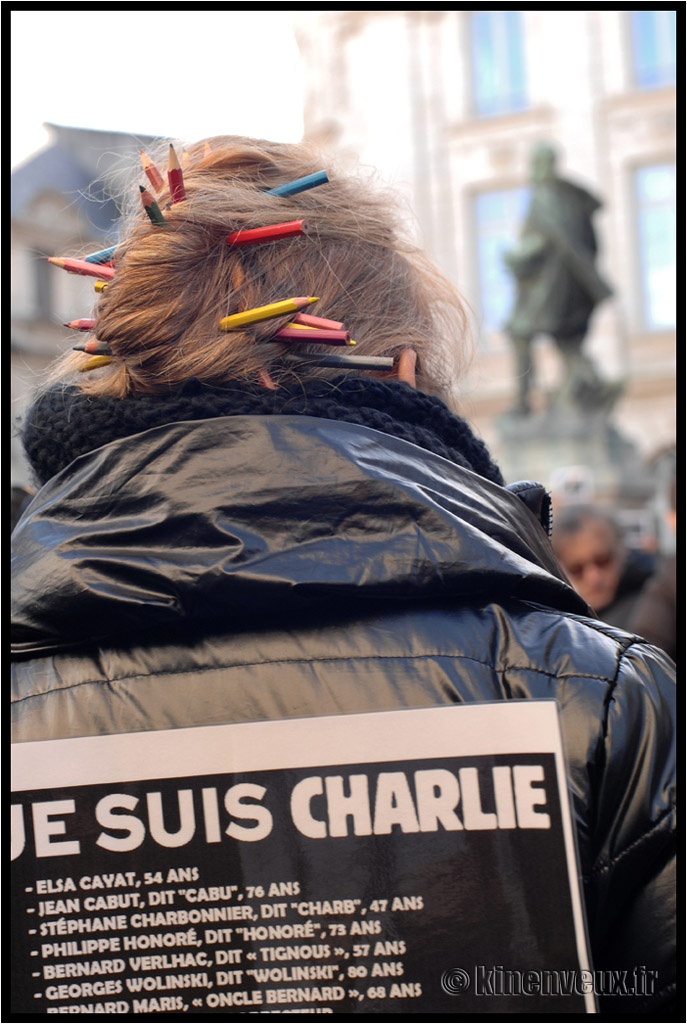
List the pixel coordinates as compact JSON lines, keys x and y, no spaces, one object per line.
{"x":248,"y":568}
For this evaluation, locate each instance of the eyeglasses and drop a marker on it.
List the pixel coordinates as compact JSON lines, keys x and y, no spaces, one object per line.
{"x":598,"y":561}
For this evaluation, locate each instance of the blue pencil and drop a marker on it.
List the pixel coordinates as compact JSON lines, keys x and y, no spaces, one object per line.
{"x":103,"y":256}
{"x":290,"y":188}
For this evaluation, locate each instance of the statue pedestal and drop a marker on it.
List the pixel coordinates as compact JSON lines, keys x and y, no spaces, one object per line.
{"x":541,"y":445}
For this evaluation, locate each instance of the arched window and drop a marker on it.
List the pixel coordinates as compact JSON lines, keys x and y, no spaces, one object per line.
{"x":498,"y":67}
{"x":653,"y":47}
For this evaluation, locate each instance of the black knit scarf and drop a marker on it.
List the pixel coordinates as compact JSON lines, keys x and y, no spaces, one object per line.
{"x":64,"y":423}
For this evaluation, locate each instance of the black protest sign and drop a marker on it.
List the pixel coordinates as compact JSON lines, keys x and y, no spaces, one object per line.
{"x":405,"y":861}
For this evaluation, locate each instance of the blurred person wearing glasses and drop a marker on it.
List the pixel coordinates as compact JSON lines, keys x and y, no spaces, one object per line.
{"x":604,"y":571}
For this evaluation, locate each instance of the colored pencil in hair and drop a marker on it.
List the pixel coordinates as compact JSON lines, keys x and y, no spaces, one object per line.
{"x":102,"y":256}
{"x":83,"y":324}
{"x":238,"y":276}
{"x":207,"y":150}
{"x":94,"y":362}
{"x":152,"y":173}
{"x":82,"y":267}
{"x":272,"y":309}
{"x":270,"y":233}
{"x":100,"y":286}
{"x":313,"y":336}
{"x":95,"y":347}
{"x":265,"y":380}
{"x":151,"y":208}
{"x":308,"y":320}
{"x":175,"y":178}
{"x":291,"y":188}
{"x":340,"y":361}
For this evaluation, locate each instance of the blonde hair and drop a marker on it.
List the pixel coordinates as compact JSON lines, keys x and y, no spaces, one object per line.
{"x":160,"y":314}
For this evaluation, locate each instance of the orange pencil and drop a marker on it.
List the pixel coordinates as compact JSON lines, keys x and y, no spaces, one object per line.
{"x":175,"y":178}
{"x":83,"y":267}
{"x":152,"y":173}
{"x":94,"y":347}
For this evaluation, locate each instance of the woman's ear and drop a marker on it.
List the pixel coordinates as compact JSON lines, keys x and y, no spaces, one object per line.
{"x":406,"y":366}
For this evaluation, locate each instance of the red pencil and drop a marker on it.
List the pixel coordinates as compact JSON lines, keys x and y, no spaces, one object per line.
{"x":250,"y":236}
{"x":152,"y":173}
{"x":175,"y":178}
{"x":82,"y":267}
{"x":83,"y":324}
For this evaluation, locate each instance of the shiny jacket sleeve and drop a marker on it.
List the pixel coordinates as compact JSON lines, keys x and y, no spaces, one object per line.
{"x":633,"y":871}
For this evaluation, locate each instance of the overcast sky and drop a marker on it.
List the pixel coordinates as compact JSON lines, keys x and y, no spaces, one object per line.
{"x":178,"y":74}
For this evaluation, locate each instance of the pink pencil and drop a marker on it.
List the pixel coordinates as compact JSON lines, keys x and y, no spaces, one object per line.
{"x":83,"y":267}
{"x":317,"y":321}
{"x":83,"y":324}
{"x":313,"y":337}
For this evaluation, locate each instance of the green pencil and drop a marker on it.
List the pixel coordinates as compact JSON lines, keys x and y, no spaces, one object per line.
{"x":151,"y":207}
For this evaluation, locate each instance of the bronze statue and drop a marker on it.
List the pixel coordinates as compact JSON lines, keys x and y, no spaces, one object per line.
{"x":557,"y":285}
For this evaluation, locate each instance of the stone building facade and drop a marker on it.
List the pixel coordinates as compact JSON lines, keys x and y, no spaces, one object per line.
{"x":63,"y":203}
{"x":447,"y":106}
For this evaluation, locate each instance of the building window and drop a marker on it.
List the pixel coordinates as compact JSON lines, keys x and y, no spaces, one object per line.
{"x":653,"y":47}
{"x":498,"y":66}
{"x":498,"y":217}
{"x":655,"y":204}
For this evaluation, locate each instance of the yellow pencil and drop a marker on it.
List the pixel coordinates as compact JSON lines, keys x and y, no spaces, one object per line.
{"x":94,"y":362}
{"x":100,"y":286}
{"x":249,"y":316}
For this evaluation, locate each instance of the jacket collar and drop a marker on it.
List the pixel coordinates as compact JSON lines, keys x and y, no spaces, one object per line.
{"x":241,"y":516}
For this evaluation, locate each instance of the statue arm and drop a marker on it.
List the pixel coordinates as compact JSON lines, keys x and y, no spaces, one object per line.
{"x":528,"y":256}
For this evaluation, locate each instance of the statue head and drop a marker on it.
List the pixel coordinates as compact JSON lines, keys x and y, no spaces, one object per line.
{"x":543,"y":159}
